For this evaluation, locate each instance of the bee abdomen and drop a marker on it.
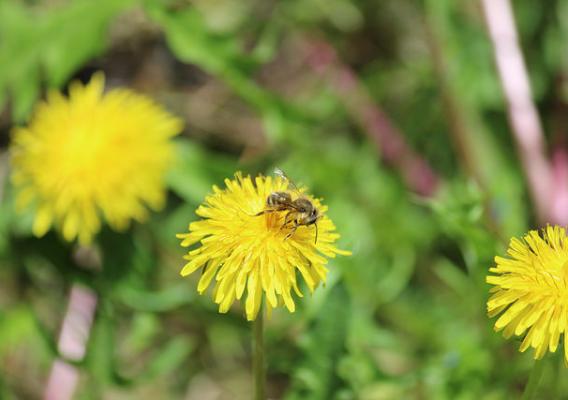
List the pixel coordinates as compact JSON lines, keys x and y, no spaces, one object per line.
{"x":278,"y":198}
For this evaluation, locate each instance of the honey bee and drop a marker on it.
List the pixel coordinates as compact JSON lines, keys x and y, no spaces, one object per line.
{"x":300,"y":211}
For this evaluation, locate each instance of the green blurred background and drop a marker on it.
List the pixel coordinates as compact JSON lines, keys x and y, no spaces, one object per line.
{"x":354,"y":99}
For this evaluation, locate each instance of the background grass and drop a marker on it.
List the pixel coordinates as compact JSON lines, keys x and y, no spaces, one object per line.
{"x":263,"y":83}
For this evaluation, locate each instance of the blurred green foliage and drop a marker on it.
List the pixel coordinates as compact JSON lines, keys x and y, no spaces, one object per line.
{"x":404,"y":317}
{"x":48,"y":44}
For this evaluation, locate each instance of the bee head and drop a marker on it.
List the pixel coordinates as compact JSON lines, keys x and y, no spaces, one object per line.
{"x":312,"y":216}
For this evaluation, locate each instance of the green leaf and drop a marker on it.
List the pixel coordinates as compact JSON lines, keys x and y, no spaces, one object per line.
{"x":101,"y":347}
{"x":169,"y":357}
{"x":221,"y":55}
{"x":197,"y":170}
{"x":53,"y":43}
{"x":315,"y":378}
{"x":160,"y":301}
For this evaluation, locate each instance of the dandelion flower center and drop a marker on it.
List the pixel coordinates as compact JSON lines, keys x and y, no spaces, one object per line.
{"x":257,"y":253}
{"x":531,"y":290}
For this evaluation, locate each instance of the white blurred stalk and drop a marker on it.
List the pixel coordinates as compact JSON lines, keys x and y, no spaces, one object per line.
{"x":523,"y":116}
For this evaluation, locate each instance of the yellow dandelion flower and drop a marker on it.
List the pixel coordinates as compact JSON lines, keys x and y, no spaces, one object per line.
{"x":531,"y":291}
{"x":92,"y":156}
{"x":244,"y":250}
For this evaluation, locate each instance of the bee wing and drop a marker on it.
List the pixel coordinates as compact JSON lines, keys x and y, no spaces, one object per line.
{"x":282,"y":174}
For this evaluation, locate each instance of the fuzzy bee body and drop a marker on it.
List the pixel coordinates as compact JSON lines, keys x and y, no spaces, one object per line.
{"x":279,"y":199}
{"x":300,"y":211}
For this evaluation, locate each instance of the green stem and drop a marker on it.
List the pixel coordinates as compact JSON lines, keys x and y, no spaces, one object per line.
{"x":534,"y":379}
{"x":258,"y":370}
{"x":558,"y":375}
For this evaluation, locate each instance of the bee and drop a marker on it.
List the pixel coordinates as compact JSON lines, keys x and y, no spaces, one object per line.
{"x":300,"y":212}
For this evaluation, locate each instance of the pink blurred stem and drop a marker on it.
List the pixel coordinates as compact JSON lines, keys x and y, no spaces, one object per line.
{"x":523,"y":116}
{"x":64,"y":376}
{"x":389,"y":140}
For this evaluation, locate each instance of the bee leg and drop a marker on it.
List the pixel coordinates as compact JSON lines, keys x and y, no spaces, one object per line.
{"x":270,"y":210}
{"x":293,"y":230}
{"x":286,"y":219}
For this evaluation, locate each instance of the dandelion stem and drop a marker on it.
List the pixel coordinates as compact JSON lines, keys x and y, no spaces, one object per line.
{"x":534,"y":379}
{"x":258,"y":370}
{"x":558,"y":376}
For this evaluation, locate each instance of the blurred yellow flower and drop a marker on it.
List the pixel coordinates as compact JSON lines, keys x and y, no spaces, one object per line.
{"x":531,"y":290}
{"x":244,"y":250}
{"x":92,"y":156}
